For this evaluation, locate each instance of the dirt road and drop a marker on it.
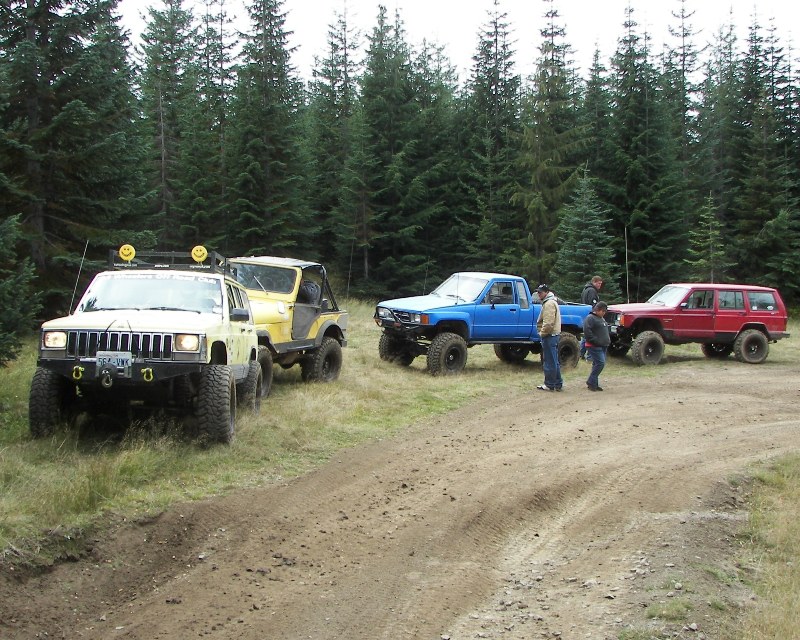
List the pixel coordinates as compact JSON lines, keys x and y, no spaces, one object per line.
{"x":571,"y":515}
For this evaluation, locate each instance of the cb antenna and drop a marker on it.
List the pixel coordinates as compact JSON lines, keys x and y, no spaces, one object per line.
{"x":77,"y":279}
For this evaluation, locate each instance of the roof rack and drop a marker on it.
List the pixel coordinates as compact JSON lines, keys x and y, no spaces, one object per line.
{"x":195,"y":260}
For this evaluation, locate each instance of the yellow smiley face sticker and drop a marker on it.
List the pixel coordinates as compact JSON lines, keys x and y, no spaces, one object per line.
{"x":199,"y":253}
{"x":127,"y":252}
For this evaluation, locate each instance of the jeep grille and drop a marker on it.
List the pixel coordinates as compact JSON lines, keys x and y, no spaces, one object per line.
{"x":402,"y":316}
{"x":156,"y":346}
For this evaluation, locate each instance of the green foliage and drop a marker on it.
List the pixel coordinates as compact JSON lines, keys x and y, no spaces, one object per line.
{"x":584,"y":247}
{"x":18,"y":301}
{"x":706,"y":259}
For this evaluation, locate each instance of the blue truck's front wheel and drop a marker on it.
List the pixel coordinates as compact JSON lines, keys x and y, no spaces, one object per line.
{"x":447,"y":354}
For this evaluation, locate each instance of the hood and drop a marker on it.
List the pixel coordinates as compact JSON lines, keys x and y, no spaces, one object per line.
{"x":133,"y":320}
{"x":637,"y":307}
{"x":422,"y":303}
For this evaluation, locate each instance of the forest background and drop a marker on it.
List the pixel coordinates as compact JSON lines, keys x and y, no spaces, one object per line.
{"x":680,"y":163}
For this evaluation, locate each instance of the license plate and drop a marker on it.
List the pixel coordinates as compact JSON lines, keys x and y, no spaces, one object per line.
{"x":120,"y":359}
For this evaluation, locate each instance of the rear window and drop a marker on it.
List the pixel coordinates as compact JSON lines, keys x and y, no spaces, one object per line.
{"x":762,"y":301}
{"x":731,"y":300}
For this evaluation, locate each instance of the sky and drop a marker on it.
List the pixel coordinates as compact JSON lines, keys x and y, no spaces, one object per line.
{"x":589,"y":24}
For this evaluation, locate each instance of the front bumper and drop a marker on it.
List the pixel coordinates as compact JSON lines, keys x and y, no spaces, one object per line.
{"x":142,"y":372}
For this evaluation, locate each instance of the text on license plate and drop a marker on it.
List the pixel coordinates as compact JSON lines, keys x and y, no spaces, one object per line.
{"x":120,"y":359}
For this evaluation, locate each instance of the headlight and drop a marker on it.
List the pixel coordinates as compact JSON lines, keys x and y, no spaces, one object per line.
{"x":383,"y":312}
{"x":187,"y":342}
{"x":54,"y":340}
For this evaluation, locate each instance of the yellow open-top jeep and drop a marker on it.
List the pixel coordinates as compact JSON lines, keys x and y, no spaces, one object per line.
{"x":296,"y":315}
{"x":164,"y":330}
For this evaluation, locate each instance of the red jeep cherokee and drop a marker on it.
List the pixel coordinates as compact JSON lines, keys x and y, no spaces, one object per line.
{"x":724,"y":318}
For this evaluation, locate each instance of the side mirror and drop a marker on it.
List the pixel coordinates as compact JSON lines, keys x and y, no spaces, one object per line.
{"x":325,"y":304}
{"x":239,"y":315}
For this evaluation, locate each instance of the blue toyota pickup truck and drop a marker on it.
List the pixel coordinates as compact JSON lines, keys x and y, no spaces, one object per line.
{"x":472,"y":308}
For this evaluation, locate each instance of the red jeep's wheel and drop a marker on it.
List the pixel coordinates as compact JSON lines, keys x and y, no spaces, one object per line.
{"x":751,"y":346}
{"x":647,"y":348}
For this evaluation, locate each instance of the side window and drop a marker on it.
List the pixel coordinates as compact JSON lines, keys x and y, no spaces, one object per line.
{"x":701,"y":300}
{"x":762,"y":301}
{"x":234,"y":299}
{"x":524,"y":303}
{"x":500,"y":293}
{"x":731,"y":300}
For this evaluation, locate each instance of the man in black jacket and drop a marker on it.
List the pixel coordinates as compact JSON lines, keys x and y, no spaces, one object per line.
{"x":597,"y":337}
{"x":590,"y":295}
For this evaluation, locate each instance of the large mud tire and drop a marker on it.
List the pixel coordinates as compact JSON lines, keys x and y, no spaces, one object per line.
{"x":647,"y":348}
{"x":751,"y":346}
{"x":569,"y":351}
{"x":512,"y":353}
{"x":323,"y":364}
{"x":447,"y":354}
{"x":51,"y":402}
{"x":393,"y":349}
{"x":250,"y":391}
{"x":717,"y":350}
{"x":216,"y":404}
{"x":265,"y":360}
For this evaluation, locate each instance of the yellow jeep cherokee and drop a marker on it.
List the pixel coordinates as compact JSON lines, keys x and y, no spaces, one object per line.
{"x":296,"y":315}
{"x":173,"y":332}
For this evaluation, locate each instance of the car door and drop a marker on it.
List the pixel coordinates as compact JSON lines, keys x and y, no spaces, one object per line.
{"x":731,"y":312}
{"x":497,"y":312}
{"x":694,"y":317}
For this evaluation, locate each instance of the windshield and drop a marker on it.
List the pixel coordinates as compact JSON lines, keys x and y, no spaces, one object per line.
{"x":165,"y":291}
{"x":669,"y":296}
{"x":263,"y":277}
{"x":461,"y":287}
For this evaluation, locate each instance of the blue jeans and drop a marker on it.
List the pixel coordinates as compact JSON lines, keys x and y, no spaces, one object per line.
{"x":552,"y":370}
{"x":598,"y":357}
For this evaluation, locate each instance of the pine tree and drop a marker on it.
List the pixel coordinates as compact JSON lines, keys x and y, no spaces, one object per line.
{"x":706,"y":259}
{"x":492,"y":171}
{"x":168,"y":94}
{"x":70,"y":149}
{"x":269,"y":213}
{"x":16,"y":280}
{"x":646,"y":175}
{"x":584,"y":246}
{"x":550,"y":144}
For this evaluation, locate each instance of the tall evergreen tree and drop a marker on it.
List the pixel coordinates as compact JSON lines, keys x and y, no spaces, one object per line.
{"x":168,"y":95}
{"x":649,"y":210}
{"x":492,"y":170}
{"x":550,"y":144}
{"x":584,"y":246}
{"x":330,"y":140}
{"x":392,"y":128}
{"x":16,"y":279}
{"x":269,"y":213}
{"x":70,"y":154}
{"x":706,"y":260}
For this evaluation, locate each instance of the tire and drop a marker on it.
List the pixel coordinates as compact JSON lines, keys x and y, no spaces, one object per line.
{"x":250,"y":391}
{"x":569,"y":351}
{"x":393,"y":349}
{"x":512,"y":353}
{"x":618,"y":350}
{"x":265,"y":360}
{"x":51,"y":401}
{"x":647,"y":348}
{"x":216,"y":404}
{"x":718,"y":350}
{"x":323,"y":364}
{"x":751,"y":346}
{"x":447,"y":354}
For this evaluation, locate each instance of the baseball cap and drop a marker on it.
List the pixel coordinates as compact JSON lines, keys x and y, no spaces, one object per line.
{"x":543,"y":287}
